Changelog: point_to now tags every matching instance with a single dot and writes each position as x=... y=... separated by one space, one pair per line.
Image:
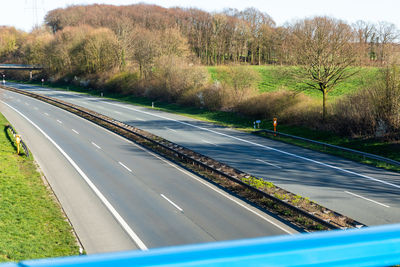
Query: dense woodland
x=218 y=38
x=147 y=50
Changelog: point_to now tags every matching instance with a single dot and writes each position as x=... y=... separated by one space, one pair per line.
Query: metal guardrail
x=372 y=246
x=174 y=149
x=364 y=154
x=14 y=133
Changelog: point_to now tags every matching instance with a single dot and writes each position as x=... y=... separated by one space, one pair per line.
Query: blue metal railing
x=372 y=246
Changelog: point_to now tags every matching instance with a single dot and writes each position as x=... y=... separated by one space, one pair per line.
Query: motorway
x=367 y=194
x=120 y=196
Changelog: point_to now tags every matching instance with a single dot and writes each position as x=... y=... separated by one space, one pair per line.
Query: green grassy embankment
x=32 y=224
x=274 y=78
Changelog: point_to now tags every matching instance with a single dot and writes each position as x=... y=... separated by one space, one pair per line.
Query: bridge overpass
x=30 y=68
x=20 y=67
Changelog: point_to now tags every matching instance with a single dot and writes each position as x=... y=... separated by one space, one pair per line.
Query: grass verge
x=31 y=222
x=233 y=120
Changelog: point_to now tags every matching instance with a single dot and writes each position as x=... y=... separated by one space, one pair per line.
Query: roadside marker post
x=18 y=141
x=275 y=122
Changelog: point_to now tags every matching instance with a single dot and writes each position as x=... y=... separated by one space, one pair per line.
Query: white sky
x=20 y=13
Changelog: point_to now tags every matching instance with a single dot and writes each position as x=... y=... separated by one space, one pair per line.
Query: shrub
x=374 y=111
x=124 y=83
x=286 y=105
x=239 y=84
x=173 y=77
x=212 y=97
x=354 y=115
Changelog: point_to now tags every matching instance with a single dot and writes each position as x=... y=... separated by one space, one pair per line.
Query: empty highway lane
x=107 y=184
x=365 y=193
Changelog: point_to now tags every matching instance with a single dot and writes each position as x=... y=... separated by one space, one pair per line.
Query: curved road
x=367 y=194
x=120 y=196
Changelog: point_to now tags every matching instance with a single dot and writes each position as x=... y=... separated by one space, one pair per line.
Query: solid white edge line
x=75 y=131
x=268 y=163
x=172 y=203
x=123 y=165
x=93 y=143
x=260 y=145
x=376 y=202
x=113 y=211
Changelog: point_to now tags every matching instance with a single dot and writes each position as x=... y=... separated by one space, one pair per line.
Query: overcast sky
x=24 y=14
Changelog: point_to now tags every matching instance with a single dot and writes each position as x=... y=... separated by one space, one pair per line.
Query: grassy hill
x=274 y=78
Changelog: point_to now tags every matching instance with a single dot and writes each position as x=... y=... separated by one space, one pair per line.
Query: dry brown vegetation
x=374 y=111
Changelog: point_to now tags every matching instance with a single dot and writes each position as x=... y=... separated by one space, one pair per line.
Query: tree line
x=232 y=36
x=216 y=38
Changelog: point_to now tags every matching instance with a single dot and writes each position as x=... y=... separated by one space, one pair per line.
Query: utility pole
x=34 y=7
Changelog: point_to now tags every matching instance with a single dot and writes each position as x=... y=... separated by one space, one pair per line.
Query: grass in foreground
x=31 y=222
x=230 y=119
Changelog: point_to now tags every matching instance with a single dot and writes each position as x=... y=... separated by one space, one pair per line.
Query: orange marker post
x=275 y=124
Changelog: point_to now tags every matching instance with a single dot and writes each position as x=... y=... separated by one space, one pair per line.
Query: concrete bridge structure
x=21 y=67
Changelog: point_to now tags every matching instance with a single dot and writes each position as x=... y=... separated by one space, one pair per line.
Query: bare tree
x=387 y=33
x=146 y=48
x=323 y=48
x=366 y=35
x=242 y=81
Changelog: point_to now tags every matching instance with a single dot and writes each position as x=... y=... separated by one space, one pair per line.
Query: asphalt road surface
x=119 y=196
x=367 y=194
